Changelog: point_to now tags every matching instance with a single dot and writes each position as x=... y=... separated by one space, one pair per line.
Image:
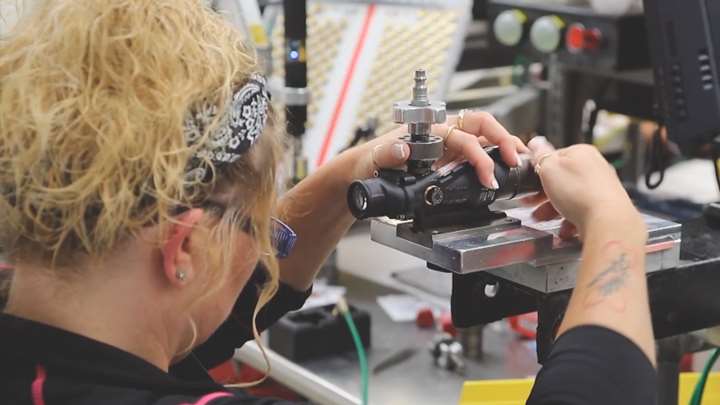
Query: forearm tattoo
x=610 y=285
x=613 y=277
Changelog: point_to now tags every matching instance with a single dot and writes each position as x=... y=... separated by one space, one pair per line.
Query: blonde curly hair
x=93 y=95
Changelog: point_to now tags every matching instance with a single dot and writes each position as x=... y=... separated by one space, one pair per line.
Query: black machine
x=685 y=44
x=576 y=35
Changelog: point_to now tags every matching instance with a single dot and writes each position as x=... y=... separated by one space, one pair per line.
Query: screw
x=491 y=290
x=434 y=196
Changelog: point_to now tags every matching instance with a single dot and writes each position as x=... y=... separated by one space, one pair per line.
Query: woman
x=138 y=187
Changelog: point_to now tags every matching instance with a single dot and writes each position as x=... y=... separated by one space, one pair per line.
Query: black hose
x=656 y=160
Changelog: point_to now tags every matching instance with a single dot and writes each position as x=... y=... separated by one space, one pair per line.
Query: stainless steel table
x=417 y=380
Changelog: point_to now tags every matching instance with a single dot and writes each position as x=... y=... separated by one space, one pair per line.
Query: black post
x=295 y=64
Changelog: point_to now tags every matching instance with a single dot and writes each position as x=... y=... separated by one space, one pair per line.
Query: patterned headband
x=239 y=128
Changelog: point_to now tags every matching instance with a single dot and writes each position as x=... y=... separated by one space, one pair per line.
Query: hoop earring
x=189 y=348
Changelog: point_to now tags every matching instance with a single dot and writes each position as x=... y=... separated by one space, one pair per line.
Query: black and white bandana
x=239 y=128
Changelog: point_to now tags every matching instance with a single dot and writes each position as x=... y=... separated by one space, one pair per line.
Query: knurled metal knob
x=420 y=110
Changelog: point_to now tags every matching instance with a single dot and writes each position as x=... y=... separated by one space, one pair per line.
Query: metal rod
x=310 y=385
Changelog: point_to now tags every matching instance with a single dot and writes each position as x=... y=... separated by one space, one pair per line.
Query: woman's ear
x=177 y=260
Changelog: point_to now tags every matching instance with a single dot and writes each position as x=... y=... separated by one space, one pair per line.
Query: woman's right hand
x=583 y=188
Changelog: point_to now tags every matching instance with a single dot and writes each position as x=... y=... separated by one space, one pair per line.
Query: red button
x=425 y=318
x=578 y=38
x=575 y=38
x=593 y=39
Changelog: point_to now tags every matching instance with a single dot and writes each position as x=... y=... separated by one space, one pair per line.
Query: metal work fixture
x=420 y=114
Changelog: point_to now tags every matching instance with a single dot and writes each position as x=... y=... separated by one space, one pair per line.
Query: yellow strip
x=516 y=392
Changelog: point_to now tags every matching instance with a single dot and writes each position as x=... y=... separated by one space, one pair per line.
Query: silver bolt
x=491 y=290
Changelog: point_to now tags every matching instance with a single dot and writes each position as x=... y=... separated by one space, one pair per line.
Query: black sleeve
x=234 y=397
x=592 y=365
x=237 y=329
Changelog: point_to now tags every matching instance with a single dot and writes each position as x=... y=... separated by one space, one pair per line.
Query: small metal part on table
x=447 y=353
x=394 y=359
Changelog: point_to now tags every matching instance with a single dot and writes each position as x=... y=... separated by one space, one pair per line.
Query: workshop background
x=639 y=81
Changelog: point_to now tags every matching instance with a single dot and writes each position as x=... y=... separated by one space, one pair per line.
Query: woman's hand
x=466 y=141
x=584 y=189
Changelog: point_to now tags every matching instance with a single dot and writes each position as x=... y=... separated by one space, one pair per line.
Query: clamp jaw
x=420 y=114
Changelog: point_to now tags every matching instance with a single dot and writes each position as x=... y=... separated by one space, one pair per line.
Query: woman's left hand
x=466 y=141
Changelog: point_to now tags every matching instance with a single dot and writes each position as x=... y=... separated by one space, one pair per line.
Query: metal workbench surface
x=417 y=380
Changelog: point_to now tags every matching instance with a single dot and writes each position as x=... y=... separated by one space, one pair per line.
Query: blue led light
x=294 y=55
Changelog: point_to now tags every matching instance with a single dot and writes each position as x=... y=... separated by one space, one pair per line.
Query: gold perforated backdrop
x=411 y=38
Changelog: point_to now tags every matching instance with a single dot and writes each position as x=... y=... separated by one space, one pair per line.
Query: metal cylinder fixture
x=420 y=114
x=472 y=341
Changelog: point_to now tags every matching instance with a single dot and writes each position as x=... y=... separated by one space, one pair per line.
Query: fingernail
x=519 y=159
x=398 y=151
x=495 y=184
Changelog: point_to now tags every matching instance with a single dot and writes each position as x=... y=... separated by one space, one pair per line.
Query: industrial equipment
x=685 y=41
x=504 y=263
x=448 y=197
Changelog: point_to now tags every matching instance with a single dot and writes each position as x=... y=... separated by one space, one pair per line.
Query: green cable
x=362 y=358
x=700 y=386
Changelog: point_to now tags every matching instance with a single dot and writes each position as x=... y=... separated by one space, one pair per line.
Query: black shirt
x=44 y=365
x=591 y=365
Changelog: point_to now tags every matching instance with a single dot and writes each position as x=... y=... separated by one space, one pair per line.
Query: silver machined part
x=432 y=149
x=420 y=114
x=420 y=91
x=491 y=290
x=419 y=129
x=406 y=113
x=520 y=249
x=420 y=109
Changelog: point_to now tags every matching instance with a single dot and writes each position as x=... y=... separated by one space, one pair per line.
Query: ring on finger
x=540 y=161
x=449 y=132
x=461 y=119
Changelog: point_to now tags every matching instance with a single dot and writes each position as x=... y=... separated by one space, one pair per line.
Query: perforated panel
x=414 y=39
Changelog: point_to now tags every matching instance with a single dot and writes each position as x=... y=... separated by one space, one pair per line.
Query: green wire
x=700 y=386
x=364 y=374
